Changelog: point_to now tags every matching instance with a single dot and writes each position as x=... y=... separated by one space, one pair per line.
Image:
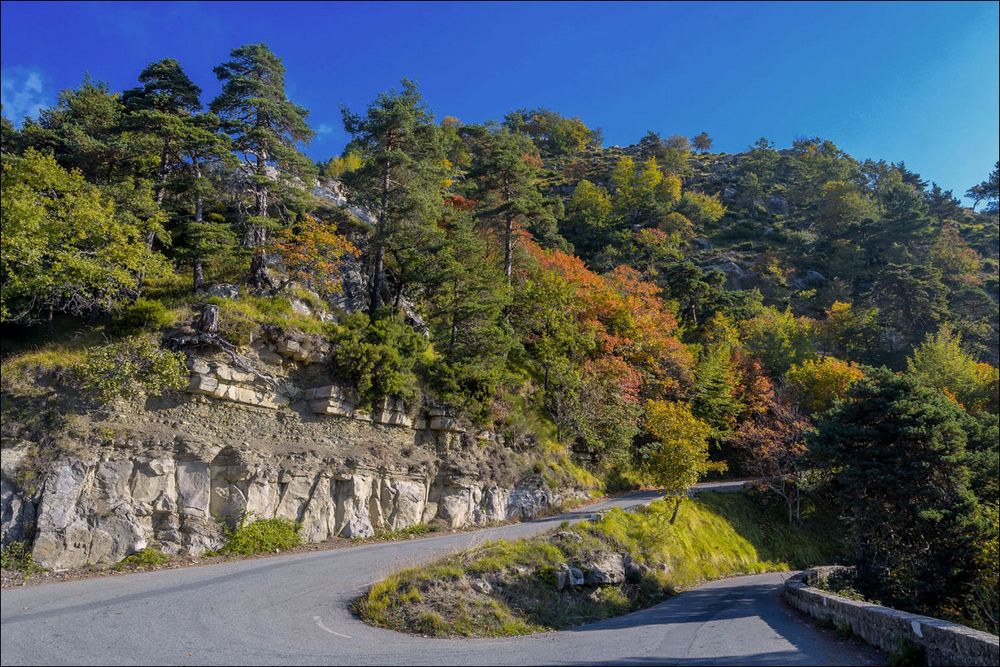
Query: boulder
x=608 y=569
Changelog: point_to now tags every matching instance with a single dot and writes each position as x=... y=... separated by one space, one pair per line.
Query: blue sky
x=913 y=82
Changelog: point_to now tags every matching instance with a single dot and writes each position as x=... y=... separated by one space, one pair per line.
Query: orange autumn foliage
x=633 y=328
x=311 y=251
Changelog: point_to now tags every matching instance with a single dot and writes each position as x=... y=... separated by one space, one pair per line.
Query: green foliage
x=713 y=396
x=678 y=456
x=242 y=320
x=259 y=536
x=401 y=178
x=702 y=209
x=941 y=363
x=17 y=557
x=149 y=557
x=66 y=245
x=379 y=356
x=816 y=384
x=141 y=315
x=506 y=171
x=344 y=164
x=898 y=451
x=465 y=312
x=121 y=368
x=407 y=533
x=779 y=339
x=554 y=134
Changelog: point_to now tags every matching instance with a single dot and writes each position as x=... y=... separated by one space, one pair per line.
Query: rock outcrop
x=95 y=511
x=272 y=438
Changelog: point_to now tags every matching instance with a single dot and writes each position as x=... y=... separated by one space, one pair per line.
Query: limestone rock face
x=98 y=512
x=17 y=519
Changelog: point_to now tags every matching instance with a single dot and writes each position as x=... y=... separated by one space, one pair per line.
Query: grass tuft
x=148 y=557
x=262 y=536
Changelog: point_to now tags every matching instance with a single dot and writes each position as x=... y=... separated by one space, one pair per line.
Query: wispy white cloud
x=324 y=129
x=23 y=93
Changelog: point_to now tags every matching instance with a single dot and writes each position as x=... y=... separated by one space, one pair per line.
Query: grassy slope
x=508 y=587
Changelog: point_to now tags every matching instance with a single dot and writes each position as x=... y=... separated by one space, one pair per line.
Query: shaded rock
x=481 y=586
x=222 y=290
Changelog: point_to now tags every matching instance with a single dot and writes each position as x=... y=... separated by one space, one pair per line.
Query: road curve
x=294 y=610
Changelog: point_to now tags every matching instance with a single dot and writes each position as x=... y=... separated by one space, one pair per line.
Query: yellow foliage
x=679 y=456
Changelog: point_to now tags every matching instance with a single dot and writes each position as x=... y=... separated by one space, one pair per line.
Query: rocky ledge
x=243 y=444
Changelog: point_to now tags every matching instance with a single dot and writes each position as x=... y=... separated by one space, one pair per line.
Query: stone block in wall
x=194 y=486
x=199 y=366
x=395 y=419
x=443 y=423
x=329 y=391
x=230 y=374
x=202 y=384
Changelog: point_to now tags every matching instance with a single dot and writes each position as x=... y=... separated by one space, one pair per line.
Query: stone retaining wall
x=944 y=643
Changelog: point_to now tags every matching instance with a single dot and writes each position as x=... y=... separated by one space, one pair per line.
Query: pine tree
x=506 y=169
x=265 y=127
x=401 y=178
x=162 y=108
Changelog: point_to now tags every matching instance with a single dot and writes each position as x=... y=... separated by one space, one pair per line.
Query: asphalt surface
x=294 y=610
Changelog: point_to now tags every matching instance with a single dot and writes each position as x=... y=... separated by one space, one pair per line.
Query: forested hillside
x=663 y=311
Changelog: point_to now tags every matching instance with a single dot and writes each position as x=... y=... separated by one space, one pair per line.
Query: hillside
x=462 y=324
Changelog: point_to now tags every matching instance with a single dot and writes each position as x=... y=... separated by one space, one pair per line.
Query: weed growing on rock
x=148 y=557
x=17 y=557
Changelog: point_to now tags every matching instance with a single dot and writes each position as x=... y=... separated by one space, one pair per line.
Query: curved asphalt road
x=293 y=610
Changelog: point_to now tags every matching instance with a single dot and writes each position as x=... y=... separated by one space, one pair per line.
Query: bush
x=117 y=369
x=141 y=315
x=262 y=536
x=379 y=356
x=17 y=556
x=148 y=557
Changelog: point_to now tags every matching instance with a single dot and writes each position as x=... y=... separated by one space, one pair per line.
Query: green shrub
x=141 y=315
x=17 y=556
x=379 y=357
x=262 y=536
x=148 y=557
x=117 y=369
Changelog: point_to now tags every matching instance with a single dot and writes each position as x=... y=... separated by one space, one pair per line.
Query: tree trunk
x=199 y=204
x=508 y=249
x=199 y=275
x=677 y=507
x=375 y=293
x=378 y=270
x=161 y=176
x=209 y=322
x=259 y=277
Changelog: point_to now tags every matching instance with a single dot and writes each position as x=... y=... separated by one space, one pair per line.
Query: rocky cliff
x=242 y=442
